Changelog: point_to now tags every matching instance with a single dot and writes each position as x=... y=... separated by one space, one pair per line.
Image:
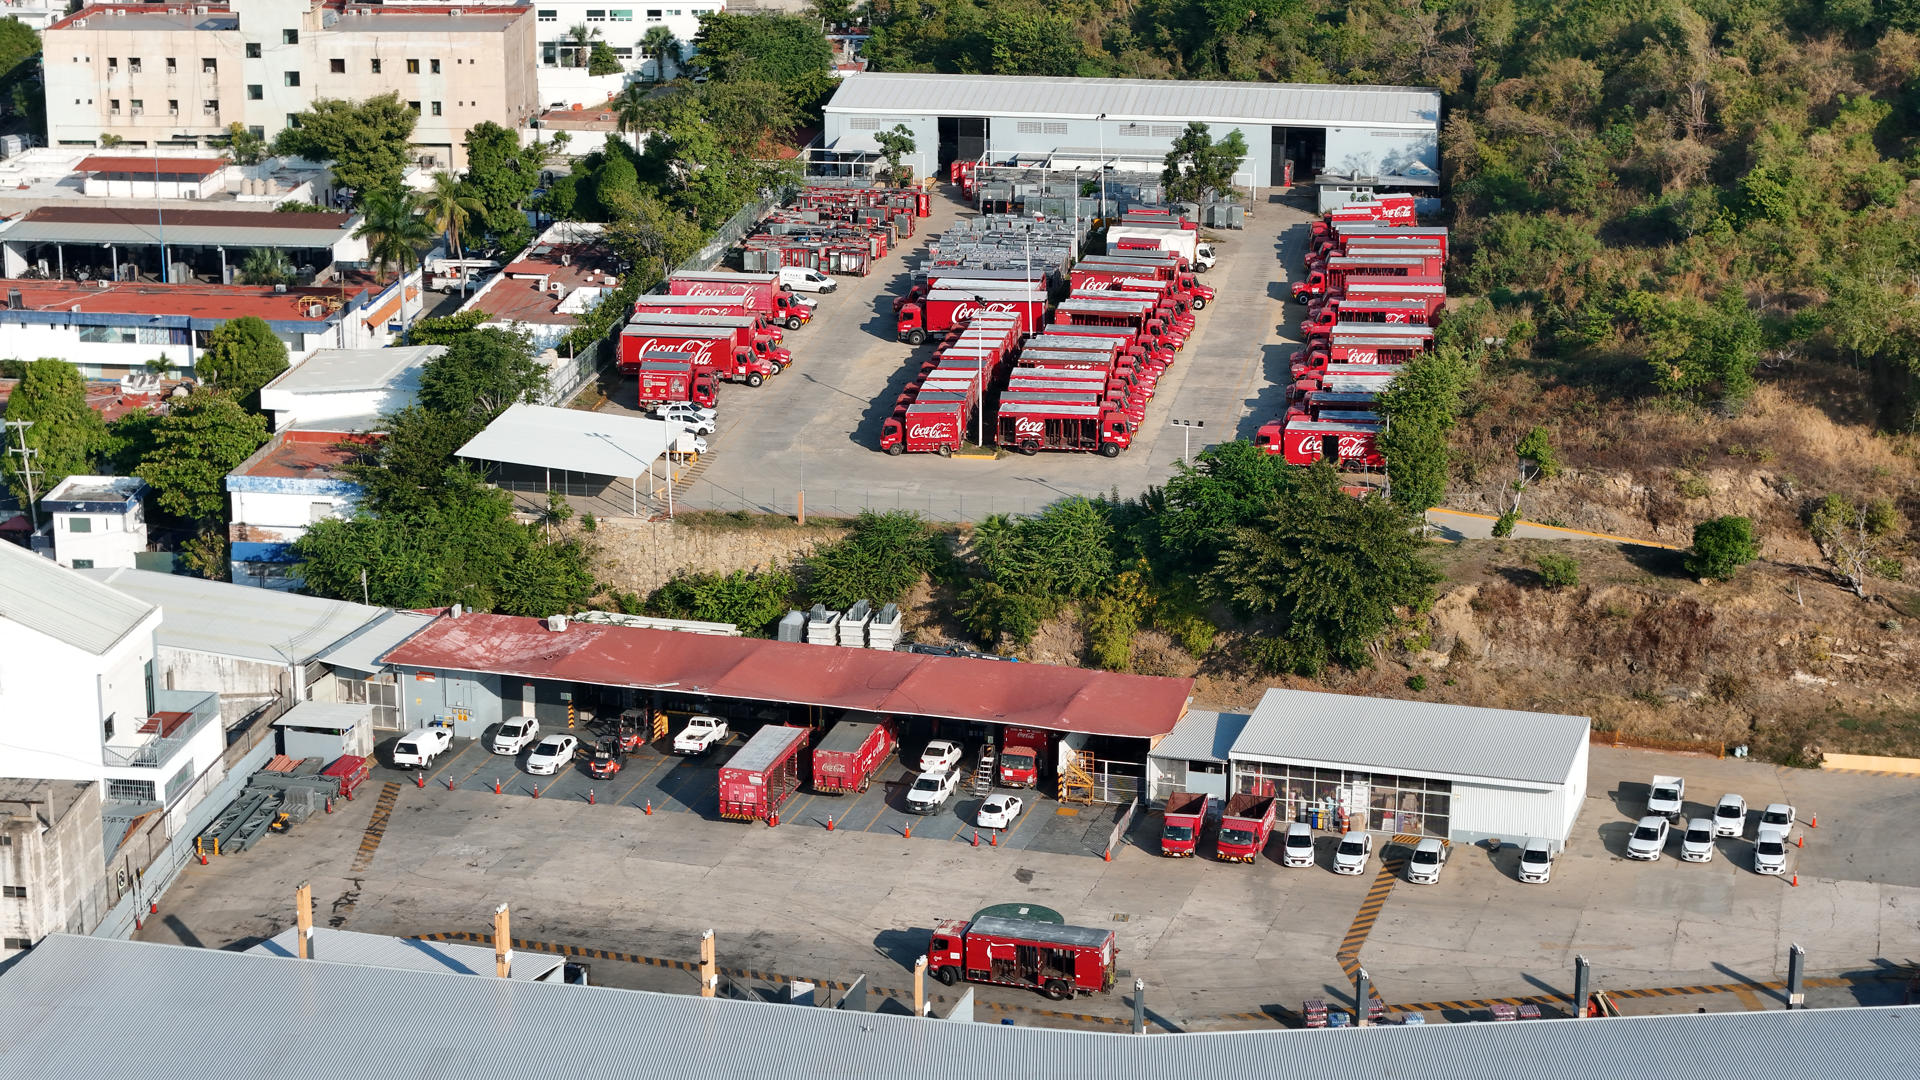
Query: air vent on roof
x=14 y=300
x=280 y=287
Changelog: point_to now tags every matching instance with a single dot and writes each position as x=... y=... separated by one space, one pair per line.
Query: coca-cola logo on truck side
x=930 y=431
x=714 y=290
x=700 y=348
x=1023 y=426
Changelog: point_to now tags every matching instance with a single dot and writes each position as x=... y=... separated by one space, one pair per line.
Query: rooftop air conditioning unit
x=557 y=623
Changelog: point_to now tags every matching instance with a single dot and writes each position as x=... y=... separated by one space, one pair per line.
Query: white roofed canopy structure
x=528 y=444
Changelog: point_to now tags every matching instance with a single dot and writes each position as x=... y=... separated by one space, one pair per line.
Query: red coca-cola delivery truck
x=1040 y=394
x=974 y=280
x=713 y=348
x=1364 y=378
x=1176 y=326
x=664 y=377
x=1345 y=231
x=1059 y=961
x=1430 y=290
x=1022 y=750
x=1348 y=311
x=1186 y=816
x=1148 y=353
x=949 y=309
x=925 y=427
x=849 y=754
x=1396 y=210
x=1047 y=374
x=1350 y=445
x=762 y=775
x=1097 y=279
x=1163 y=268
x=769 y=297
x=1116 y=314
x=1245 y=825
x=1377 y=245
x=1334 y=274
x=1065 y=362
x=747 y=332
x=731 y=304
x=1033 y=427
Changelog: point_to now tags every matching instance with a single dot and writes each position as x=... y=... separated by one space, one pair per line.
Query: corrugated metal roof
x=1414 y=737
x=599 y=444
x=241 y=228
x=235 y=620
x=1139 y=99
x=406 y=954
x=868 y=680
x=66 y=1004
x=330 y=371
x=64 y=604
x=329 y=715
x=362 y=649
x=765 y=747
x=1202 y=736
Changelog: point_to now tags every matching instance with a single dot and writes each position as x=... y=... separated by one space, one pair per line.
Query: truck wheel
x=915 y=337
x=947 y=975
x=1109 y=449
x=896 y=449
x=946 y=451
x=1029 y=449
x=1199 y=304
x=754 y=378
x=1059 y=989
x=793 y=322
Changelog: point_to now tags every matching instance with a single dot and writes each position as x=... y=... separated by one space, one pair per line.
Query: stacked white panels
x=884 y=631
x=822 y=626
x=853 y=625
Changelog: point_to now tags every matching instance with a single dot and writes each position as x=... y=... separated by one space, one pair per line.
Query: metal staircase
x=1076 y=778
x=983 y=771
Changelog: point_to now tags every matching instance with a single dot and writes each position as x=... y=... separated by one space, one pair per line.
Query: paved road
x=1219 y=945
x=816 y=427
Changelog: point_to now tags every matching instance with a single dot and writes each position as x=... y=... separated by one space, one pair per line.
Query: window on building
x=291 y=78
x=257 y=131
x=133 y=65
x=255 y=91
x=113 y=106
x=382 y=693
x=83 y=564
x=6 y=839
x=80 y=524
x=622 y=14
x=414 y=105
x=289 y=37
x=374 y=65
x=549 y=54
x=138 y=106
x=19 y=943
x=253 y=50
x=182 y=780
x=653 y=14
x=173 y=66
x=413 y=66
x=337 y=65
x=130 y=790
x=173 y=106
x=434 y=66
x=549 y=15
x=210 y=107
x=208 y=66
x=106 y=729
x=436 y=108
x=623 y=52
x=596 y=14
x=113 y=64
x=18 y=892
x=293 y=120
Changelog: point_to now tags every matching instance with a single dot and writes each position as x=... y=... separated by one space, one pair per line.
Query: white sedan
x=550 y=753
x=941 y=755
x=1649 y=838
x=999 y=811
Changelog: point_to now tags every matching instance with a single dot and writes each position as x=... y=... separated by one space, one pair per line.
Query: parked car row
x=1666 y=802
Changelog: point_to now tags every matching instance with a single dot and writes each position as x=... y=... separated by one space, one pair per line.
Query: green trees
x=886 y=555
x=482 y=372
x=19 y=73
x=203 y=437
x=66 y=435
x=895 y=143
x=1198 y=167
x=753 y=601
x=661 y=43
x=243 y=146
x=789 y=51
x=1721 y=546
x=1557 y=571
x=1853 y=535
x=242 y=355
x=367 y=141
x=1324 y=573
x=446 y=209
x=602 y=61
x=1422 y=405
x=266 y=266
x=393 y=230
x=502 y=174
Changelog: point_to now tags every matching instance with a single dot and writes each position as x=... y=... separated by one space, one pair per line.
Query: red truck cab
x=1058 y=960
x=1021 y=751
x=1245 y=825
x=1186 y=815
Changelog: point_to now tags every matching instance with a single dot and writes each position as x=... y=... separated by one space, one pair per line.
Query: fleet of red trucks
x=665 y=377
x=849 y=754
x=762 y=775
x=749 y=332
x=713 y=348
x=1245 y=825
x=1186 y=815
x=1058 y=960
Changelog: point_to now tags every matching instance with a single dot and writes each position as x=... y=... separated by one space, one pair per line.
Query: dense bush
x=752 y=600
x=1721 y=547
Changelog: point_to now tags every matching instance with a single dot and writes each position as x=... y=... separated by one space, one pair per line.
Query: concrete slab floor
x=1219 y=945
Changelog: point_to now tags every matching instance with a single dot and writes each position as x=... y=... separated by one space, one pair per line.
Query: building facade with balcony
x=179 y=76
x=97 y=520
x=78 y=700
x=564 y=81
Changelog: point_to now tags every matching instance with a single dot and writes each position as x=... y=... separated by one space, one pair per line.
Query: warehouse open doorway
x=962 y=138
x=1304 y=148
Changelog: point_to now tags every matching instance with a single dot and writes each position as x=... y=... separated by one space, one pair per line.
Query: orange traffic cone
x=829 y=822
x=993 y=839
x=1795 y=882
x=420 y=779
x=976 y=838
x=649 y=806
x=496 y=786
x=908 y=831
x=536 y=791
x=1107 y=855
x=1814 y=822
x=1800 y=841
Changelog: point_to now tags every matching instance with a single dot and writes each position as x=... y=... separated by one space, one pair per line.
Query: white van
x=802 y=279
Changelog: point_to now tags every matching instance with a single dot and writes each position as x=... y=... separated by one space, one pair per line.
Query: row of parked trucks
x=1374 y=293
x=1012 y=372
x=710 y=327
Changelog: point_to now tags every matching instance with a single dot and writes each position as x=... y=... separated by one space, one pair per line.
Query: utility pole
x=1188 y=426
x=27 y=454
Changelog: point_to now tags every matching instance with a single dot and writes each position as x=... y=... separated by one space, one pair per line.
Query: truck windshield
x=1236 y=836
x=1646 y=832
x=926 y=783
x=1179 y=832
x=1016 y=761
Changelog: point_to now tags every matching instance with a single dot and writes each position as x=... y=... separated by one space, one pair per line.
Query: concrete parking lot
x=1219 y=945
x=816 y=427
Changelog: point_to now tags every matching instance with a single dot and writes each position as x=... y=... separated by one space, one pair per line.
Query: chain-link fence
x=734 y=229
x=699 y=494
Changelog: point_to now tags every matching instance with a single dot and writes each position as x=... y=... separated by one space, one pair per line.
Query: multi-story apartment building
x=156 y=75
x=563 y=76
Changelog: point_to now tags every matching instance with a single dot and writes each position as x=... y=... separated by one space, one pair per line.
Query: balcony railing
x=179 y=716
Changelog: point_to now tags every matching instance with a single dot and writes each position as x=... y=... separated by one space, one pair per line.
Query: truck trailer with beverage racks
x=1058 y=960
x=762 y=775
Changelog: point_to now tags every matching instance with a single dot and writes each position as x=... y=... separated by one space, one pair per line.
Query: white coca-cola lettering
x=1363 y=356
x=929 y=431
x=965 y=312
x=1353 y=446
x=1026 y=426
x=1399 y=317
x=714 y=290
x=701 y=349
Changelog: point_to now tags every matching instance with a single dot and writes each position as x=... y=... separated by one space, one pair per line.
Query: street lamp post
x=1188 y=426
x=1101 y=125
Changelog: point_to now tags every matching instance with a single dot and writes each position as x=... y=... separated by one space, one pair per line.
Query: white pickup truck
x=701 y=734
x=417 y=748
x=1666 y=796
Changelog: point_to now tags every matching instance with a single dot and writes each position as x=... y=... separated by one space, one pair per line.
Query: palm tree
x=661 y=42
x=391 y=225
x=582 y=36
x=266 y=266
x=447 y=208
x=631 y=108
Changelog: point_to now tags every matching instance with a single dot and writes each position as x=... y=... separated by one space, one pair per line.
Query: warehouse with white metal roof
x=90 y=1007
x=1388 y=133
x=1457 y=772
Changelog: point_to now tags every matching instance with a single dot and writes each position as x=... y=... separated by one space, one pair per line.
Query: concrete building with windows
x=285 y=488
x=179 y=76
x=97 y=520
x=1457 y=772
x=51 y=854
x=78 y=695
x=1390 y=133
x=563 y=77
x=346 y=389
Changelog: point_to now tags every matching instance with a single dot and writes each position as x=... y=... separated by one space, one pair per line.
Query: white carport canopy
x=571 y=440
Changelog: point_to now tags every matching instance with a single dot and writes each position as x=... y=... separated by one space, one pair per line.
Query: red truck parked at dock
x=1059 y=961
x=1245 y=825
x=665 y=377
x=1186 y=815
x=769 y=297
x=762 y=775
x=949 y=309
x=849 y=754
